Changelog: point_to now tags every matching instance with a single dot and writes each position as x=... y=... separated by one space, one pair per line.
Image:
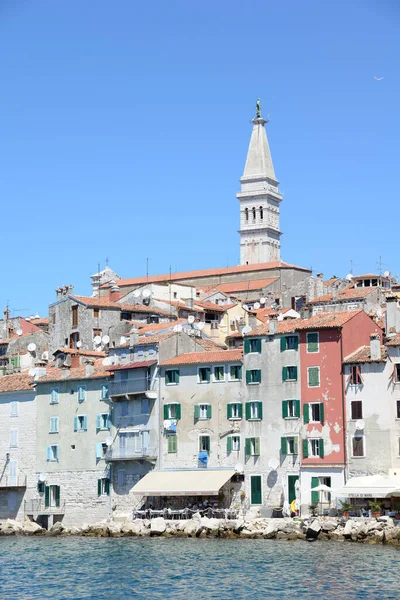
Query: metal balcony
x=130 y=386
x=149 y=454
x=37 y=507
x=8 y=482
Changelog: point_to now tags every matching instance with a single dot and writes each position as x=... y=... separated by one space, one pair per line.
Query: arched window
x=261 y=213
x=246 y=212
x=254 y=212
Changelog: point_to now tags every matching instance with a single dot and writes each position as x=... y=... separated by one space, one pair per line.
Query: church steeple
x=259 y=200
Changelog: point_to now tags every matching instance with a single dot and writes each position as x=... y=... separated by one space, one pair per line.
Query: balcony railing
x=37 y=506
x=131 y=454
x=131 y=386
x=19 y=481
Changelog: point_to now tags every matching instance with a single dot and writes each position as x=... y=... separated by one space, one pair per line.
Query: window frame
x=14 y=404
x=248 y=377
x=203 y=381
x=355 y=376
x=205 y=436
x=310 y=333
x=358 y=402
x=312 y=441
x=223 y=373
x=360 y=438
x=311 y=405
x=57 y=430
x=319 y=376
x=56 y=395
x=239 y=367
x=238 y=404
x=54 y=455
x=175 y=378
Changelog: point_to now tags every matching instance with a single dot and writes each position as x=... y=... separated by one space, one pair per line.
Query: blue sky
x=124 y=128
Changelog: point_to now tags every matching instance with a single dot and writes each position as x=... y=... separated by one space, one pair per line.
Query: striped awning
x=198 y=482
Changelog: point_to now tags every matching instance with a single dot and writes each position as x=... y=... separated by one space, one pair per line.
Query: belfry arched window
x=246 y=213
x=261 y=213
x=254 y=212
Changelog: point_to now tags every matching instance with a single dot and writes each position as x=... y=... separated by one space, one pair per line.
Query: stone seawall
x=367 y=531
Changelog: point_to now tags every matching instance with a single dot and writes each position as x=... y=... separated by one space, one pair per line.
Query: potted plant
x=242 y=495
x=345 y=508
x=375 y=509
x=313 y=510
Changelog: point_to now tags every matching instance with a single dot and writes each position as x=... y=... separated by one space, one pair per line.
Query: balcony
x=132 y=386
x=37 y=507
x=18 y=481
x=148 y=453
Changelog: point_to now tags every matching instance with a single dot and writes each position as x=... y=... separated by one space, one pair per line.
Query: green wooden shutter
x=284 y=373
x=246 y=346
x=295 y=373
x=312 y=342
x=283 y=446
x=321 y=448
x=297 y=408
x=258 y=376
x=208 y=374
x=306 y=413
x=240 y=372
x=260 y=410
x=248 y=410
x=247 y=447
x=107 y=486
x=258 y=345
x=165 y=411
x=168 y=377
x=229 y=444
x=197 y=411
x=46 y=496
x=248 y=377
x=296 y=445
x=99 y=487
x=177 y=376
x=283 y=344
x=75 y=423
x=240 y=411
x=209 y=411
x=229 y=411
x=172 y=443
x=305 y=448
x=296 y=343
x=314 y=495
x=321 y=412
x=285 y=411
x=178 y=411
x=57 y=498
x=257 y=446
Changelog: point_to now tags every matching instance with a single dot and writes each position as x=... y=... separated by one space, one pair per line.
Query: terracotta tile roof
x=245 y=286
x=235 y=334
x=15 y=383
x=207 y=273
x=143 y=328
x=393 y=341
x=134 y=365
x=205 y=358
x=178 y=304
x=349 y=293
x=324 y=320
x=363 y=355
x=208 y=344
x=77 y=351
x=149 y=339
x=104 y=302
x=74 y=373
x=211 y=306
x=40 y=321
x=329 y=282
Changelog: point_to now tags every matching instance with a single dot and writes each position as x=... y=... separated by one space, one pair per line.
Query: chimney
x=189 y=302
x=59 y=293
x=273 y=325
x=133 y=337
x=335 y=293
x=6 y=313
x=375 y=346
x=89 y=368
x=392 y=316
x=114 y=293
x=75 y=361
x=69 y=289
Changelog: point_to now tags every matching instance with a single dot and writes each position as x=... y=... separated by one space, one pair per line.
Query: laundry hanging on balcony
x=170 y=425
x=203 y=458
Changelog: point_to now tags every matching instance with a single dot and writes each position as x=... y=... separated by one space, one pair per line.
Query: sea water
x=181 y=568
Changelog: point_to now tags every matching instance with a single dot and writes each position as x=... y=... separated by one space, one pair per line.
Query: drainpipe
x=343 y=408
x=160 y=423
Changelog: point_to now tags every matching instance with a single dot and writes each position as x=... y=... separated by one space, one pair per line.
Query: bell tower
x=259 y=200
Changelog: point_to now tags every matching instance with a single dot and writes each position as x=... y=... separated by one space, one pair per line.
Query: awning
x=183 y=483
x=370 y=486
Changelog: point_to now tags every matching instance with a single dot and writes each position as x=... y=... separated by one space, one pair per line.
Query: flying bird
x=378 y=78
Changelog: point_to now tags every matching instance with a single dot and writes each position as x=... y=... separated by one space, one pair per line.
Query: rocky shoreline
x=367 y=531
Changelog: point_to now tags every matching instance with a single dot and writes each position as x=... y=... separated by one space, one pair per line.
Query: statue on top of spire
x=258 y=109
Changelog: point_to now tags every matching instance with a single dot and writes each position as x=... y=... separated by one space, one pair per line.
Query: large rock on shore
x=158 y=526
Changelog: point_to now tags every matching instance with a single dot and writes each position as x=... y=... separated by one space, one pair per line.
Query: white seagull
x=378 y=78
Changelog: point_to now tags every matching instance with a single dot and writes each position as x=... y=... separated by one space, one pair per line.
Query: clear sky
x=124 y=128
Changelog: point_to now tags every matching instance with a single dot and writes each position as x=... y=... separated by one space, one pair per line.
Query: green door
x=291 y=486
x=256 y=489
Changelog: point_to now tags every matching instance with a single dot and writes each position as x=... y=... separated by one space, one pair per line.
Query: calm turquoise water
x=194 y=569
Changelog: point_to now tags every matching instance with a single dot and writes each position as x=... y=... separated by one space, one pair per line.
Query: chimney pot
x=375 y=346
x=273 y=325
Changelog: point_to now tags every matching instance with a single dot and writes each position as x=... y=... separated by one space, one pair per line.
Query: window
x=14 y=408
x=103 y=487
x=80 y=423
x=233 y=443
x=219 y=374
x=358 y=446
x=52 y=452
x=254 y=213
x=54 y=396
x=252 y=345
x=144 y=406
x=121 y=477
x=252 y=446
x=313 y=376
x=104 y=391
x=96 y=313
x=355 y=375
x=289 y=342
x=103 y=421
x=15 y=361
x=246 y=214
x=356 y=409
x=172 y=411
x=313 y=447
x=75 y=316
x=289 y=373
x=52 y=496
x=202 y=411
x=398 y=409
x=81 y=393
x=97 y=332
x=204 y=374
x=291 y=409
x=313 y=412
x=396 y=373
x=14 y=438
x=253 y=410
x=124 y=409
x=172 y=444
x=289 y=445
x=74 y=339
x=53 y=424
x=204 y=443
x=235 y=372
x=101 y=450
x=261 y=213
x=313 y=342
x=172 y=377
x=234 y=410
x=253 y=376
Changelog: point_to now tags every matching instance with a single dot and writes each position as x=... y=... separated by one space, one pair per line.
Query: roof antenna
x=147 y=270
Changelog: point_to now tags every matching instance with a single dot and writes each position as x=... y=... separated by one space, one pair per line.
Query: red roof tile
x=74 y=373
x=134 y=365
x=205 y=358
x=15 y=383
x=393 y=341
x=245 y=286
x=77 y=351
x=349 y=293
x=363 y=355
x=324 y=320
x=104 y=302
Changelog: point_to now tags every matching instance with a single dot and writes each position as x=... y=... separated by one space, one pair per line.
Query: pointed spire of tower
x=259 y=161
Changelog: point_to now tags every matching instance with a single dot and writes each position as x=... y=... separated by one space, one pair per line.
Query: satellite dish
x=32 y=347
x=42 y=477
x=45 y=355
x=246 y=329
x=386 y=274
x=136 y=294
x=122 y=340
x=257 y=305
x=195 y=326
x=379 y=313
x=146 y=294
x=19 y=332
x=245 y=306
x=105 y=339
x=78 y=344
x=97 y=340
x=177 y=328
x=190 y=319
x=349 y=277
x=273 y=463
x=360 y=424
x=200 y=326
x=32 y=372
x=262 y=300
x=109 y=441
x=239 y=468
x=107 y=361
